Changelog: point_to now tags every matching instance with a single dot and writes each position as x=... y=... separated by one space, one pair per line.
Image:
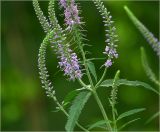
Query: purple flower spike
x=111 y=37
x=69 y=62
x=71 y=12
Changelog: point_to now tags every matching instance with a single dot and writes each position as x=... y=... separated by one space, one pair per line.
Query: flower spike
x=111 y=37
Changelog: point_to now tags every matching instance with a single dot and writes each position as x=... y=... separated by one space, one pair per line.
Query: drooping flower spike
x=69 y=64
x=111 y=37
x=68 y=60
x=151 y=39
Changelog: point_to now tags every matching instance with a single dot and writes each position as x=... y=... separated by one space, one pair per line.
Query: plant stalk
x=99 y=82
x=114 y=119
x=102 y=110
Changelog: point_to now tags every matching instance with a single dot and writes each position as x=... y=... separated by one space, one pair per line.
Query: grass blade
x=130 y=112
x=126 y=124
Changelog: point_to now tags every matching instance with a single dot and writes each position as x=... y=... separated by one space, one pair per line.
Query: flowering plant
x=76 y=67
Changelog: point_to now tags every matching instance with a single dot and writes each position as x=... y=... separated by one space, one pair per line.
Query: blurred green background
x=24 y=103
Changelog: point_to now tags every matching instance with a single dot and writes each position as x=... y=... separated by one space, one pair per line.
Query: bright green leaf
x=75 y=110
x=130 y=112
x=70 y=96
x=97 y=124
x=92 y=69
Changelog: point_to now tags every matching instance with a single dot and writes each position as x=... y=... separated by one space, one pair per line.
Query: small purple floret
x=108 y=63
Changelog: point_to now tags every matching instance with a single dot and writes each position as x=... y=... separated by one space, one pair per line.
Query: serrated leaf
x=109 y=82
x=75 y=110
x=92 y=69
x=127 y=123
x=153 y=117
x=97 y=124
x=130 y=112
x=147 y=69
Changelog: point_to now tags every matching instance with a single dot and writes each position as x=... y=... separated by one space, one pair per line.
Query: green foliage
x=147 y=69
x=95 y=59
x=70 y=96
x=100 y=124
x=130 y=112
x=144 y=31
x=42 y=19
x=127 y=123
x=109 y=82
x=157 y=114
x=92 y=69
x=75 y=110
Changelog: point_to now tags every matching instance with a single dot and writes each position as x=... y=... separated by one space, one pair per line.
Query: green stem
x=99 y=82
x=99 y=104
x=114 y=119
x=102 y=110
x=82 y=83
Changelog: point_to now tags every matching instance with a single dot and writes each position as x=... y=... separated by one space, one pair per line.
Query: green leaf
x=75 y=110
x=95 y=59
x=70 y=96
x=130 y=112
x=147 y=69
x=109 y=82
x=97 y=124
x=92 y=69
x=153 y=117
x=127 y=123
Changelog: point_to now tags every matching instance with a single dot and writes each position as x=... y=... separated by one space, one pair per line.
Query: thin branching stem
x=102 y=77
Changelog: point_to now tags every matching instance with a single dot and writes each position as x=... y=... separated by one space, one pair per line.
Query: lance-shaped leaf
x=109 y=82
x=130 y=112
x=92 y=69
x=75 y=110
x=127 y=123
x=100 y=124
